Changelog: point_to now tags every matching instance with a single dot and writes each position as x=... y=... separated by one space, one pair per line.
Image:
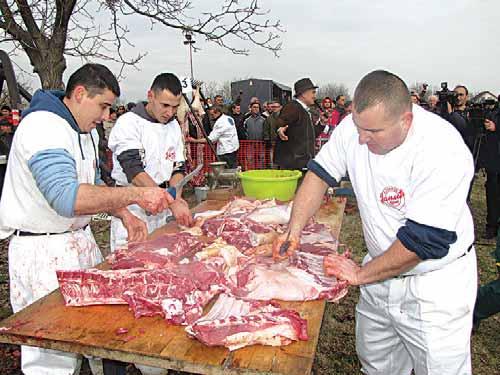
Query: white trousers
x=33 y=261
x=118 y=233
x=419 y=322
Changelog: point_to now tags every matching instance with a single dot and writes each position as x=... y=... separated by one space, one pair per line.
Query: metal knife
x=178 y=186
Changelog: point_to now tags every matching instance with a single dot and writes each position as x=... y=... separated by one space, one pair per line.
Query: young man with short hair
x=148 y=150
x=50 y=193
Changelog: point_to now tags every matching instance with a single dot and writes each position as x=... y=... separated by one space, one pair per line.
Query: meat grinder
x=220 y=177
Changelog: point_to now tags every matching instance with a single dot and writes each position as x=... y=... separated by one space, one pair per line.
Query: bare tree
x=332 y=90
x=210 y=89
x=225 y=90
x=48 y=31
x=23 y=81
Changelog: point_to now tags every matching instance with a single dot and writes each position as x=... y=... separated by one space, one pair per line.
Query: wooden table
x=91 y=330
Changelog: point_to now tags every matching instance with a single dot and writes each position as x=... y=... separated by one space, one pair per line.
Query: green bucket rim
x=294 y=176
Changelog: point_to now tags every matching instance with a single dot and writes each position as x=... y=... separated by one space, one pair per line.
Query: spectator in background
x=271 y=123
x=338 y=112
x=271 y=126
x=130 y=106
x=109 y=123
x=219 y=100
x=415 y=99
x=266 y=110
x=297 y=135
x=224 y=134
x=6 y=111
x=238 y=121
x=327 y=106
x=253 y=100
x=433 y=101
x=120 y=111
x=340 y=104
x=254 y=124
x=348 y=109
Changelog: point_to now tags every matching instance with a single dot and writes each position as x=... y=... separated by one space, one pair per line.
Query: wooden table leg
x=111 y=367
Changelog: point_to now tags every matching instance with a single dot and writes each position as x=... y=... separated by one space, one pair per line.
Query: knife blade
x=178 y=186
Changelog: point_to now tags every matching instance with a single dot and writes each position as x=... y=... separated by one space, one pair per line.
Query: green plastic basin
x=270 y=183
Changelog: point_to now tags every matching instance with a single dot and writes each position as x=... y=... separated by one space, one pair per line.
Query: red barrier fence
x=251 y=155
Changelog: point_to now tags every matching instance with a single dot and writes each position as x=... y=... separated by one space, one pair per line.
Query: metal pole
x=191 y=59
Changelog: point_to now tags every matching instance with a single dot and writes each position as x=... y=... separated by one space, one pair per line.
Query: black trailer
x=264 y=89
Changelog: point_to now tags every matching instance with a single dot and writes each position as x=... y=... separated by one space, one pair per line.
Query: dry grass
x=336 y=352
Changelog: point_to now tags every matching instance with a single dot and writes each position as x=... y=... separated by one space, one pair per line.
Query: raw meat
x=220 y=248
x=235 y=323
x=179 y=293
x=278 y=214
x=299 y=279
x=162 y=252
x=240 y=232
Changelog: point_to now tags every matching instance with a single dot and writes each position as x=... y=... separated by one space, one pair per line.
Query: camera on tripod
x=478 y=112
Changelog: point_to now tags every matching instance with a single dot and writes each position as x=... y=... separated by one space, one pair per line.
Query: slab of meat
x=277 y=215
x=162 y=252
x=96 y=287
x=178 y=293
x=239 y=232
x=235 y=323
x=300 y=279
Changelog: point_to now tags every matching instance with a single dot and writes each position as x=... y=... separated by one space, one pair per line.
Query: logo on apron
x=170 y=155
x=393 y=197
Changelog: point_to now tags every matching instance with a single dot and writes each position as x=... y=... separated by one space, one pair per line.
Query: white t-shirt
x=426 y=179
x=23 y=206
x=160 y=146
x=224 y=133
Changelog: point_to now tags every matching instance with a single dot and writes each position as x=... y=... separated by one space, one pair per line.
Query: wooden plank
x=92 y=330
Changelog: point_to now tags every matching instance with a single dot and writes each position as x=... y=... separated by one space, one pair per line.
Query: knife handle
x=171 y=190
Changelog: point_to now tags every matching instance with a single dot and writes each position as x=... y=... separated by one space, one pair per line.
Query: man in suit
x=296 y=133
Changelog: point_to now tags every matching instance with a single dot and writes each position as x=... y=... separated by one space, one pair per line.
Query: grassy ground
x=336 y=352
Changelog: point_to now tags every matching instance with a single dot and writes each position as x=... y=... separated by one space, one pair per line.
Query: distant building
x=264 y=89
x=483 y=96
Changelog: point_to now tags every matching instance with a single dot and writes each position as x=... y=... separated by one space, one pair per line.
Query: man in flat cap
x=296 y=133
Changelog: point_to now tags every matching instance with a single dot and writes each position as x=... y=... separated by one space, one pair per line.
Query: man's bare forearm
x=143 y=179
x=92 y=199
x=307 y=202
x=395 y=261
x=177 y=177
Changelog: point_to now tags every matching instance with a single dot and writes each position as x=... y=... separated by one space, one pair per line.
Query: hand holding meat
x=136 y=228
x=281 y=240
x=181 y=212
x=154 y=199
x=342 y=268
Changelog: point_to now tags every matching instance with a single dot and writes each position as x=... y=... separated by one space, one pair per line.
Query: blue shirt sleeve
x=55 y=174
x=426 y=241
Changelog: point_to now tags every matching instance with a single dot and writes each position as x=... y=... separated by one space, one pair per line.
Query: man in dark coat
x=297 y=134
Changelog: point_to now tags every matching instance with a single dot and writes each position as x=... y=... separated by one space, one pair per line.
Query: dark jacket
x=300 y=147
x=240 y=127
x=270 y=127
x=490 y=146
x=460 y=120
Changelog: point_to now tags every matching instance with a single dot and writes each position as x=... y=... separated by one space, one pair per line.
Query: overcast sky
x=340 y=41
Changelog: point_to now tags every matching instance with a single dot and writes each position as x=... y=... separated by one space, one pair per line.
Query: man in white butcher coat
x=50 y=192
x=410 y=171
x=148 y=150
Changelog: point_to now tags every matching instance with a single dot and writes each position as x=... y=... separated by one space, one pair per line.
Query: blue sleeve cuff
x=55 y=174
x=426 y=241
x=321 y=172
